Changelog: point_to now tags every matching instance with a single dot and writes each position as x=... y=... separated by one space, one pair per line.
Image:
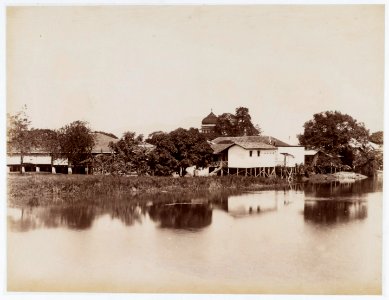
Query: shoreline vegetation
x=45 y=189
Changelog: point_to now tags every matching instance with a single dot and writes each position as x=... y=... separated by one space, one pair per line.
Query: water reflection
x=332 y=211
x=72 y=217
x=182 y=215
x=320 y=203
x=336 y=189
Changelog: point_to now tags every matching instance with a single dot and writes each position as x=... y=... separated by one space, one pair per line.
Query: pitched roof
x=101 y=143
x=269 y=140
x=217 y=148
x=210 y=119
x=255 y=145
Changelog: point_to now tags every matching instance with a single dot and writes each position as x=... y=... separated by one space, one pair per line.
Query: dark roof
x=269 y=140
x=220 y=144
x=210 y=119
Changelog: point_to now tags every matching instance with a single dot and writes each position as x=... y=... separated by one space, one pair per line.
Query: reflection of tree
x=26 y=222
x=182 y=215
x=330 y=211
x=127 y=214
x=342 y=189
x=76 y=217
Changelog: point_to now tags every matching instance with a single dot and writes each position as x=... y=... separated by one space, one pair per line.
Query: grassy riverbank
x=39 y=189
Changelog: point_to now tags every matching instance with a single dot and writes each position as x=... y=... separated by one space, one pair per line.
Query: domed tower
x=208 y=123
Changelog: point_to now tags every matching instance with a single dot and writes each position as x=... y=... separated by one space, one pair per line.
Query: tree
x=244 y=126
x=238 y=124
x=18 y=136
x=161 y=159
x=76 y=142
x=129 y=155
x=377 y=137
x=192 y=148
x=46 y=140
x=226 y=125
x=177 y=150
x=335 y=133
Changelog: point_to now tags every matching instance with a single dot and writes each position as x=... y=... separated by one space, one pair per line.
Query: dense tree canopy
x=129 y=155
x=332 y=132
x=76 y=141
x=238 y=124
x=177 y=150
x=46 y=140
x=338 y=135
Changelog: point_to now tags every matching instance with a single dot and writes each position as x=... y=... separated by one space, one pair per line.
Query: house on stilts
x=255 y=156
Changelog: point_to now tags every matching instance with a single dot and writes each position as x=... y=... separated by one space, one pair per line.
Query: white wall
x=239 y=157
x=297 y=152
x=13 y=159
x=37 y=159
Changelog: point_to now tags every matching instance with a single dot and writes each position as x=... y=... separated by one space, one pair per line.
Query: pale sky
x=148 y=68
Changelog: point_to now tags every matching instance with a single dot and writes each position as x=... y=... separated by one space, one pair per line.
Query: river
x=311 y=239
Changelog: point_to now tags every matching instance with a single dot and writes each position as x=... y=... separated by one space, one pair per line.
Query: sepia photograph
x=194 y=149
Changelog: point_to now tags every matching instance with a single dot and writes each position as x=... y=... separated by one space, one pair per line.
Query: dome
x=211 y=119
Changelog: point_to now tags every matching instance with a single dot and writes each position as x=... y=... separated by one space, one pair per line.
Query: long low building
x=38 y=160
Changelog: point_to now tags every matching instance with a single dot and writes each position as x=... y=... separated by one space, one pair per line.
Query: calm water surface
x=316 y=239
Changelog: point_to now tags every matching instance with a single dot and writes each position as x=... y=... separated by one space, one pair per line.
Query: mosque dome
x=211 y=119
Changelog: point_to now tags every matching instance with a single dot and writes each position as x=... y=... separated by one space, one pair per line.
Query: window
x=258 y=153
x=251 y=153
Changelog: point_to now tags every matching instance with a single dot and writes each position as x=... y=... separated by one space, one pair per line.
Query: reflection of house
x=208 y=124
x=256 y=151
x=39 y=160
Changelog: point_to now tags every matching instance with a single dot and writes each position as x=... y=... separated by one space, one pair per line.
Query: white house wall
x=13 y=159
x=239 y=157
x=37 y=159
x=298 y=156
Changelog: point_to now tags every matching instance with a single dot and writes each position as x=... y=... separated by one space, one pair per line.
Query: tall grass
x=44 y=189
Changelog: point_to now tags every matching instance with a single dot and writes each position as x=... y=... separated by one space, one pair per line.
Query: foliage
x=18 y=137
x=192 y=148
x=46 y=140
x=76 y=141
x=177 y=150
x=102 y=164
x=104 y=190
x=244 y=126
x=377 y=137
x=238 y=124
x=129 y=155
x=161 y=159
x=333 y=132
x=226 y=125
